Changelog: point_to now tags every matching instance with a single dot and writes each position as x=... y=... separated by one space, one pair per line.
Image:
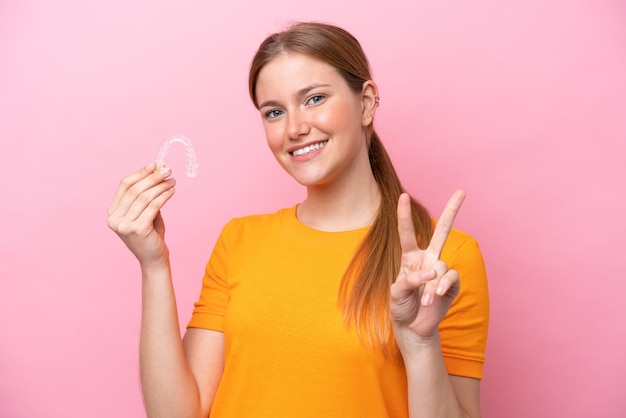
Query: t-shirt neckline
x=316 y=237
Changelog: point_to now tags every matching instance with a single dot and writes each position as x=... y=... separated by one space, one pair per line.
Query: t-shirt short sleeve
x=211 y=306
x=463 y=331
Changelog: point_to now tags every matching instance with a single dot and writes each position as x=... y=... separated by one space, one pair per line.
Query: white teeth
x=308 y=148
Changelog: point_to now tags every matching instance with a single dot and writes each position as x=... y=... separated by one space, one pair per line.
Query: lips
x=307 y=149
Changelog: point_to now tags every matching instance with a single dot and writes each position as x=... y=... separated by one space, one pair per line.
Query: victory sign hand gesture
x=425 y=287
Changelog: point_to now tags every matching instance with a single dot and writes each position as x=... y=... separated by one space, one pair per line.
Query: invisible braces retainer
x=190 y=154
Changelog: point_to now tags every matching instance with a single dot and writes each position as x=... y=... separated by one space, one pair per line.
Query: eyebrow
x=299 y=93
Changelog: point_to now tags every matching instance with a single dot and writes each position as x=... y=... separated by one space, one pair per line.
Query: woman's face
x=314 y=123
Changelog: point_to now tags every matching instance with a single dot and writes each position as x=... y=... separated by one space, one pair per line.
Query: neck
x=341 y=207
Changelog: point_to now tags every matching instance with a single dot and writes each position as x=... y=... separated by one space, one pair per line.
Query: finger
x=128 y=182
x=408 y=241
x=137 y=188
x=431 y=288
x=151 y=215
x=145 y=221
x=409 y=281
x=124 y=215
x=449 y=284
x=444 y=225
x=151 y=200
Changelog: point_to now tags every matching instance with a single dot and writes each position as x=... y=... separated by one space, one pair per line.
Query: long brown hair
x=364 y=291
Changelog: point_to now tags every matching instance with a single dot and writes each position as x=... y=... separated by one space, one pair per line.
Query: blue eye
x=274 y=113
x=315 y=99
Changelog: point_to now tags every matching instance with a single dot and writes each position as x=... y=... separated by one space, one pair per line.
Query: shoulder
x=257 y=224
x=459 y=241
x=462 y=253
x=245 y=233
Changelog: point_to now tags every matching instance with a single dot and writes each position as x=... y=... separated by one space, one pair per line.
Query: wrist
x=155 y=267
x=412 y=344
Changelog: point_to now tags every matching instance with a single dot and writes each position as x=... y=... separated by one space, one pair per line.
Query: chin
x=312 y=181
x=307 y=182
x=312 y=176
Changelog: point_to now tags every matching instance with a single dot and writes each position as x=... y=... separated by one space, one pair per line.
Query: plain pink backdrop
x=521 y=103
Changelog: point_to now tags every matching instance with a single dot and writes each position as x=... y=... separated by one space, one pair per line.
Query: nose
x=297 y=125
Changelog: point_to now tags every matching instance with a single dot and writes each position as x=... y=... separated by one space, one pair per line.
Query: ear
x=370 y=102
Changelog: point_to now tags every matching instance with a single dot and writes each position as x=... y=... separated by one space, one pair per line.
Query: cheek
x=273 y=138
x=340 y=117
x=334 y=116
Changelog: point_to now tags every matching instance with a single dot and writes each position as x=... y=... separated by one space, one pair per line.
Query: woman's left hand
x=425 y=287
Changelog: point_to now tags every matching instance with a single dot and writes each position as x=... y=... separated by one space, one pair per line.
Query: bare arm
x=434 y=393
x=176 y=379
x=420 y=298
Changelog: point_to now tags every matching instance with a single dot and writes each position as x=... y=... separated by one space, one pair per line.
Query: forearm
x=430 y=390
x=169 y=387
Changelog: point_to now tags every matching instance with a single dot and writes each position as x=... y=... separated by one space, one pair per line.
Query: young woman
x=353 y=303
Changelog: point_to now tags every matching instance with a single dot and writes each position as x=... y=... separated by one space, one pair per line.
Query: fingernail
x=426 y=299
x=164 y=170
x=441 y=290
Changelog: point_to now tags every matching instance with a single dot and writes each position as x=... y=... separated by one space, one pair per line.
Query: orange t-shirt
x=271 y=286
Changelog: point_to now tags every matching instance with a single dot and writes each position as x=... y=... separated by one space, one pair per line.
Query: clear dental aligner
x=190 y=154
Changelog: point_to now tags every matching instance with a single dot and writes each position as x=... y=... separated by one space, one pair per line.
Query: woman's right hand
x=135 y=213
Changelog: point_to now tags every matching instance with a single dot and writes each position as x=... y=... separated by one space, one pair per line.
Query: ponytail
x=364 y=290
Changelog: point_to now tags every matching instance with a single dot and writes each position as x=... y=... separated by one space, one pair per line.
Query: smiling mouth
x=308 y=149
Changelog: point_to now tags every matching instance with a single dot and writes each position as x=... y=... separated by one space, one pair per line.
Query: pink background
x=521 y=103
